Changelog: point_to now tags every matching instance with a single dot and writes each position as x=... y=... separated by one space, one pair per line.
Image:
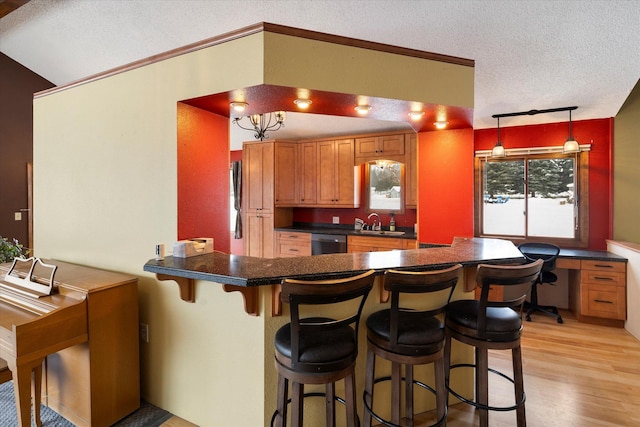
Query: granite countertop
x=590 y=255
x=346 y=230
x=251 y=271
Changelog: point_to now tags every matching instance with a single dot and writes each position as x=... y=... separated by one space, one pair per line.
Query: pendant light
x=498 y=149
x=571 y=145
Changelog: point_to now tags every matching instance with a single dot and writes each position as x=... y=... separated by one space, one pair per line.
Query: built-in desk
x=597 y=285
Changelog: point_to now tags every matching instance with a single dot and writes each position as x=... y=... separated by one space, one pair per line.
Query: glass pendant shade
x=571 y=146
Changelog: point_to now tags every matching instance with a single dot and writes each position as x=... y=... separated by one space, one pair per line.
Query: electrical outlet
x=18 y=216
x=144 y=332
x=336 y=220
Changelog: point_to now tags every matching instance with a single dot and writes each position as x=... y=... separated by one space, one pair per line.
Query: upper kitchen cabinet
x=338 y=180
x=258 y=176
x=382 y=147
x=307 y=179
x=286 y=154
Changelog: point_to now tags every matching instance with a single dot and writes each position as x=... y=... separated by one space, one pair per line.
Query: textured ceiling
x=528 y=54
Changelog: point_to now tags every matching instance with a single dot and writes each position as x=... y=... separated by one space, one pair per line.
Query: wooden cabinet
x=387 y=147
x=409 y=244
x=411 y=171
x=292 y=244
x=373 y=244
x=602 y=290
x=257 y=176
x=259 y=181
x=258 y=234
x=284 y=173
x=307 y=173
x=338 y=180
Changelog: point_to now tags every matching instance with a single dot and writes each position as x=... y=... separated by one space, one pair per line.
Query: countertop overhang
x=244 y=271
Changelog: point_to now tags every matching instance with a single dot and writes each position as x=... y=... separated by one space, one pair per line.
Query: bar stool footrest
x=480 y=405
x=389 y=423
x=314 y=394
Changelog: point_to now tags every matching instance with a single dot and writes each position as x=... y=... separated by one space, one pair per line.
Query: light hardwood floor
x=576 y=375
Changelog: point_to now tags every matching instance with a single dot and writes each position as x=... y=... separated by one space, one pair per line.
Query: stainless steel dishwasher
x=328 y=244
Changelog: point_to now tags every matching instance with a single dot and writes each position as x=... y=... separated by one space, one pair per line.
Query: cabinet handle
x=603 y=266
x=293 y=250
x=603 y=301
x=602 y=278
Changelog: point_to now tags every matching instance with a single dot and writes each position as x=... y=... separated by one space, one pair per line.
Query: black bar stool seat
x=314 y=349
x=495 y=325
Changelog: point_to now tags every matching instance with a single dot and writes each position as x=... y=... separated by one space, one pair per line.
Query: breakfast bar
x=244 y=274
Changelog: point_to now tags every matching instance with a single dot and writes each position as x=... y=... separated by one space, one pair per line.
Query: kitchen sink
x=383 y=232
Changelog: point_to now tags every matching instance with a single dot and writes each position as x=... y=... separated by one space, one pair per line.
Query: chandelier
x=263 y=123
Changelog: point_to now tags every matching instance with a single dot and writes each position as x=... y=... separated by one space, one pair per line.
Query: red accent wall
x=203 y=176
x=599 y=133
x=445 y=185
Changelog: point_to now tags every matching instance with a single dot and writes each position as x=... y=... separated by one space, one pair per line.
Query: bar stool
x=408 y=337
x=488 y=325
x=318 y=349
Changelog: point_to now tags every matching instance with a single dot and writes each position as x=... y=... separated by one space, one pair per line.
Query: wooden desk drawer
x=604 y=301
x=294 y=236
x=604 y=266
x=600 y=277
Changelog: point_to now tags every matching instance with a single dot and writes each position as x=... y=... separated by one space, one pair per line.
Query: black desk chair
x=548 y=253
x=315 y=349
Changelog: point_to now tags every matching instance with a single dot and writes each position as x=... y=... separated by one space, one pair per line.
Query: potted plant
x=10 y=250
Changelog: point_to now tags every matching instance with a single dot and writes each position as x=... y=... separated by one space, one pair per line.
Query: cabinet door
x=292 y=244
x=391 y=145
x=345 y=179
x=326 y=173
x=285 y=173
x=257 y=176
x=411 y=172
x=259 y=235
x=366 y=147
x=307 y=169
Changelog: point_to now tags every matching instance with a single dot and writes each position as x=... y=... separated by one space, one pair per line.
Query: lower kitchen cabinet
x=292 y=244
x=377 y=244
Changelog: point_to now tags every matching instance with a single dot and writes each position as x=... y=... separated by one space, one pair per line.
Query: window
x=384 y=184
x=533 y=197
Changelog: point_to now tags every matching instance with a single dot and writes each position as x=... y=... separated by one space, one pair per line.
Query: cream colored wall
x=626 y=173
x=301 y=63
x=105 y=186
x=632 y=253
x=105 y=193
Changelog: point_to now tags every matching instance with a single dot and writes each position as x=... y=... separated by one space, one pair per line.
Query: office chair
x=548 y=253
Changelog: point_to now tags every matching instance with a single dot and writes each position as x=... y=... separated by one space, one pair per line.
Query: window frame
x=367 y=189
x=581 y=194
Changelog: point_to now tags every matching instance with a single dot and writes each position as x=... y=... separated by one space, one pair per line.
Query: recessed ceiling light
x=441 y=124
x=416 y=115
x=362 y=109
x=302 y=103
x=239 y=106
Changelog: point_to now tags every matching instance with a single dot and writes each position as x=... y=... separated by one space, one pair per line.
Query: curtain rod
x=534 y=112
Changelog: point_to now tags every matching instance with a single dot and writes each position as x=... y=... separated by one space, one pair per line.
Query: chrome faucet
x=373 y=224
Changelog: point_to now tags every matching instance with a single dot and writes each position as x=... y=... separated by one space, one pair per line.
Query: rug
x=146 y=416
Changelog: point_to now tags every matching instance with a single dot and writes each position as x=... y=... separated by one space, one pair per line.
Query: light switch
x=18 y=216
x=336 y=220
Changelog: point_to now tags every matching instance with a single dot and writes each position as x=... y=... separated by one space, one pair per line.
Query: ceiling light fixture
x=362 y=109
x=441 y=124
x=498 y=149
x=239 y=106
x=416 y=115
x=302 y=103
x=570 y=145
x=263 y=123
